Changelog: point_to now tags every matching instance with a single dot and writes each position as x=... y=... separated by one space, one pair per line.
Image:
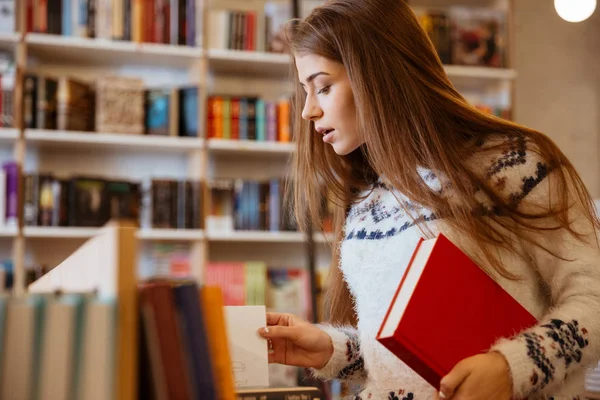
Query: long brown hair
x=410 y=115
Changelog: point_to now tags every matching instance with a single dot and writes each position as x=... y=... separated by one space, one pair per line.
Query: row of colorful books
x=176 y=22
x=249 y=118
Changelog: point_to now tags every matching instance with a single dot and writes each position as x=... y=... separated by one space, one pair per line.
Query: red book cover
x=446 y=309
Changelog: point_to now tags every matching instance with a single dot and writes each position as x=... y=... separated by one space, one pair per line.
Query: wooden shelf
x=48 y=232
x=246 y=63
x=8 y=41
x=249 y=146
x=112 y=141
x=256 y=236
x=110 y=52
x=8 y=135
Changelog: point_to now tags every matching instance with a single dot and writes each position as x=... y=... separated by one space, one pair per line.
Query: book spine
x=12 y=181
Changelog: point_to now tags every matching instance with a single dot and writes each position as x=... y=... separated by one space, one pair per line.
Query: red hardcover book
x=446 y=309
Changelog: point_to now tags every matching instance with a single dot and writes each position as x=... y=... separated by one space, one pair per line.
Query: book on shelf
x=249 y=30
x=244 y=204
x=473 y=36
x=108 y=104
x=443 y=289
x=7 y=90
x=8 y=16
x=248 y=118
x=173 y=22
x=90 y=201
x=121 y=338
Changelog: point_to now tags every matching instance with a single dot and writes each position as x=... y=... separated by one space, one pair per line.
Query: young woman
x=404 y=156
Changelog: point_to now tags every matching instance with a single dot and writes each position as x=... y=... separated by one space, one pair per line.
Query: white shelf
x=171 y=234
x=323 y=237
x=59 y=232
x=8 y=41
x=110 y=52
x=8 y=231
x=249 y=146
x=112 y=141
x=480 y=72
x=249 y=63
x=462 y=76
x=256 y=236
x=8 y=135
x=85 y=233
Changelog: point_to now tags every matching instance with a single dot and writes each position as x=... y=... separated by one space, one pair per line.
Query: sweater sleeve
x=346 y=362
x=567 y=338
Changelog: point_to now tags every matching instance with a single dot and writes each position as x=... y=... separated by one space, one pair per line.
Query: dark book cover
x=251 y=118
x=47 y=103
x=123 y=200
x=194 y=205
x=30 y=199
x=162 y=203
x=55 y=17
x=160 y=322
x=127 y=15
x=30 y=90
x=188 y=112
x=87 y=202
x=195 y=341
x=91 y=18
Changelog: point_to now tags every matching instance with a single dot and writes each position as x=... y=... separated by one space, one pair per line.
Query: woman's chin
x=342 y=150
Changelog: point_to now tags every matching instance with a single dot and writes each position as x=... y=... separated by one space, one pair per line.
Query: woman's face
x=329 y=102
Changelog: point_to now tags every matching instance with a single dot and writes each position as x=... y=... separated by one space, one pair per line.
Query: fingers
x=280 y=332
x=450 y=383
x=274 y=318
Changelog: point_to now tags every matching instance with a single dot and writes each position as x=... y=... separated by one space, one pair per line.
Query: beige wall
x=558 y=87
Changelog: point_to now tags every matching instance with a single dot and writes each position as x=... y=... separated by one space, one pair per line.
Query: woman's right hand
x=296 y=342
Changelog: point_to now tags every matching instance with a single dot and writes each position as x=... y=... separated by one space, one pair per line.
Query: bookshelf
x=214 y=71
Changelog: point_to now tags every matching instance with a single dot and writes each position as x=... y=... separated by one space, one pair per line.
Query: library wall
x=558 y=85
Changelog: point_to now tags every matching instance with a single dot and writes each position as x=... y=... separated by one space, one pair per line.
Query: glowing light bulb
x=575 y=10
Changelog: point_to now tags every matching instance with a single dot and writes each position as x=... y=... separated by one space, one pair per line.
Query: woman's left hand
x=481 y=377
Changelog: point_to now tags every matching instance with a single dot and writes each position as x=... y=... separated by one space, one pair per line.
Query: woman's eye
x=325 y=90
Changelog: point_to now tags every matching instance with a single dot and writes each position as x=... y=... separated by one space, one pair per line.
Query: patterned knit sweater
x=548 y=361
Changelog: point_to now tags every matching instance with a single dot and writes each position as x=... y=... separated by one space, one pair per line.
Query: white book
x=218 y=29
x=7 y=16
x=249 y=352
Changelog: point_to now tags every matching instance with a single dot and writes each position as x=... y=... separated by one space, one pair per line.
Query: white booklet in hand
x=249 y=352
